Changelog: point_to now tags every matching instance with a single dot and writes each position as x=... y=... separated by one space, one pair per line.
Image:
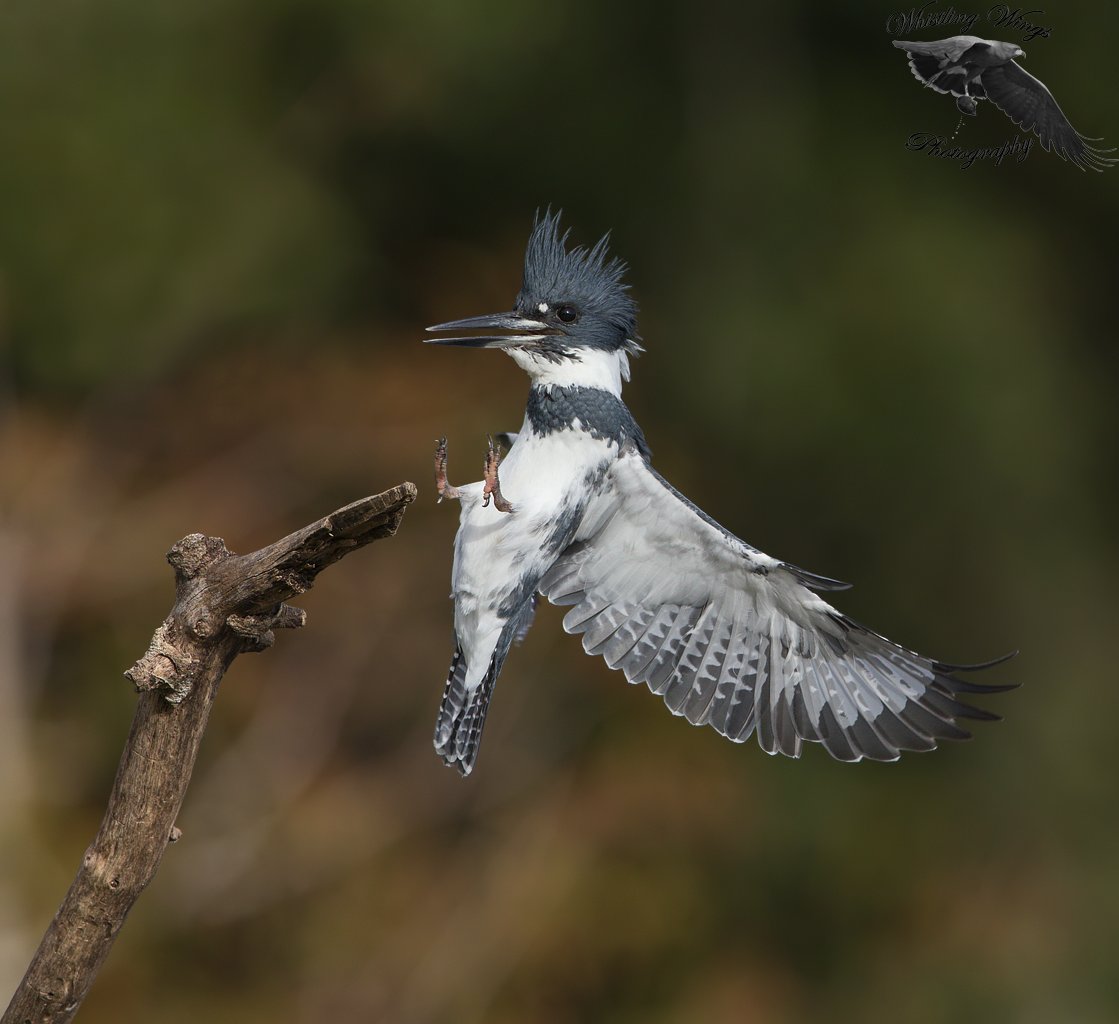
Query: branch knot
x=164 y=666
x=256 y=630
x=195 y=553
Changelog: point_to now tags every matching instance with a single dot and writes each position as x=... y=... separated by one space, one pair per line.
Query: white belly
x=500 y=556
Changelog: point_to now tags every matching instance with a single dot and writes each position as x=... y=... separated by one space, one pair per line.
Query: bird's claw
x=446 y=490
x=492 y=487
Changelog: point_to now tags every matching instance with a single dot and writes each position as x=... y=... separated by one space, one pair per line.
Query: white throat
x=587 y=368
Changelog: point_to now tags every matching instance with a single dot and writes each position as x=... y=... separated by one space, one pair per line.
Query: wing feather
x=698 y=704
x=743 y=715
x=737 y=640
x=605 y=624
x=626 y=637
x=730 y=679
x=689 y=666
x=662 y=668
x=636 y=665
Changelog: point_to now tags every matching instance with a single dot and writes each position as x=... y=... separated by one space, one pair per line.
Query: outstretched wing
x=942 y=65
x=946 y=51
x=735 y=639
x=1031 y=106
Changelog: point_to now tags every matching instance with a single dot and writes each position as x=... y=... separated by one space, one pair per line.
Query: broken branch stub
x=217 y=589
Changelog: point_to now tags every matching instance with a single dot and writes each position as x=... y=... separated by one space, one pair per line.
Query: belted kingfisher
x=729 y=636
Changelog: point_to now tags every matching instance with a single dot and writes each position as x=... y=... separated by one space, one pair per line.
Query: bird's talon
x=445 y=489
x=492 y=487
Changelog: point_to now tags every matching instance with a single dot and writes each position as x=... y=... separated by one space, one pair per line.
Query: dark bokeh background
x=224 y=226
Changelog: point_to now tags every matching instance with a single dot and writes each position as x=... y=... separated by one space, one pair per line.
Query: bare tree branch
x=225 y=604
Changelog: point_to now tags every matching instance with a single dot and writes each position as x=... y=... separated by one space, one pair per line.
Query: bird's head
x=572 y=318
x=1004 y=51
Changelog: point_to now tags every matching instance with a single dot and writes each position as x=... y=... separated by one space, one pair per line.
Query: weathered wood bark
x=225 y=604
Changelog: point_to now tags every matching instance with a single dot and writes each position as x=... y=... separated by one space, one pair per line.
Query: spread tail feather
x=462 y=713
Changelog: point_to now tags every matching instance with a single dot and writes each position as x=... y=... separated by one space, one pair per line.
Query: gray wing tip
x=949 y=667
x=814 y=581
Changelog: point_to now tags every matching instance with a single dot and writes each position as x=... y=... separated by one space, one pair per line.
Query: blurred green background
x=224 y=227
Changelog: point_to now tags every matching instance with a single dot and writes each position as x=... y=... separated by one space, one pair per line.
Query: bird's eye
x=568 y=314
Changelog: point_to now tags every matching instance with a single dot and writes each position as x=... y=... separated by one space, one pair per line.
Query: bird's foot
x=445 y=489
x=492 y=483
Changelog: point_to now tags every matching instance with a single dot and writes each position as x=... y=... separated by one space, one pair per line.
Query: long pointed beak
x=522 y=331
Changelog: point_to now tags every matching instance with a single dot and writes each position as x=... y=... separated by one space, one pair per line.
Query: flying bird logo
x=973 y=69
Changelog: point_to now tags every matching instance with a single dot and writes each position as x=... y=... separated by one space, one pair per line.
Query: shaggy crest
x=589 y=279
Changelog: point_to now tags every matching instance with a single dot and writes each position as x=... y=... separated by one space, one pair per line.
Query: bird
x=972 y=69
x=729 y=636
